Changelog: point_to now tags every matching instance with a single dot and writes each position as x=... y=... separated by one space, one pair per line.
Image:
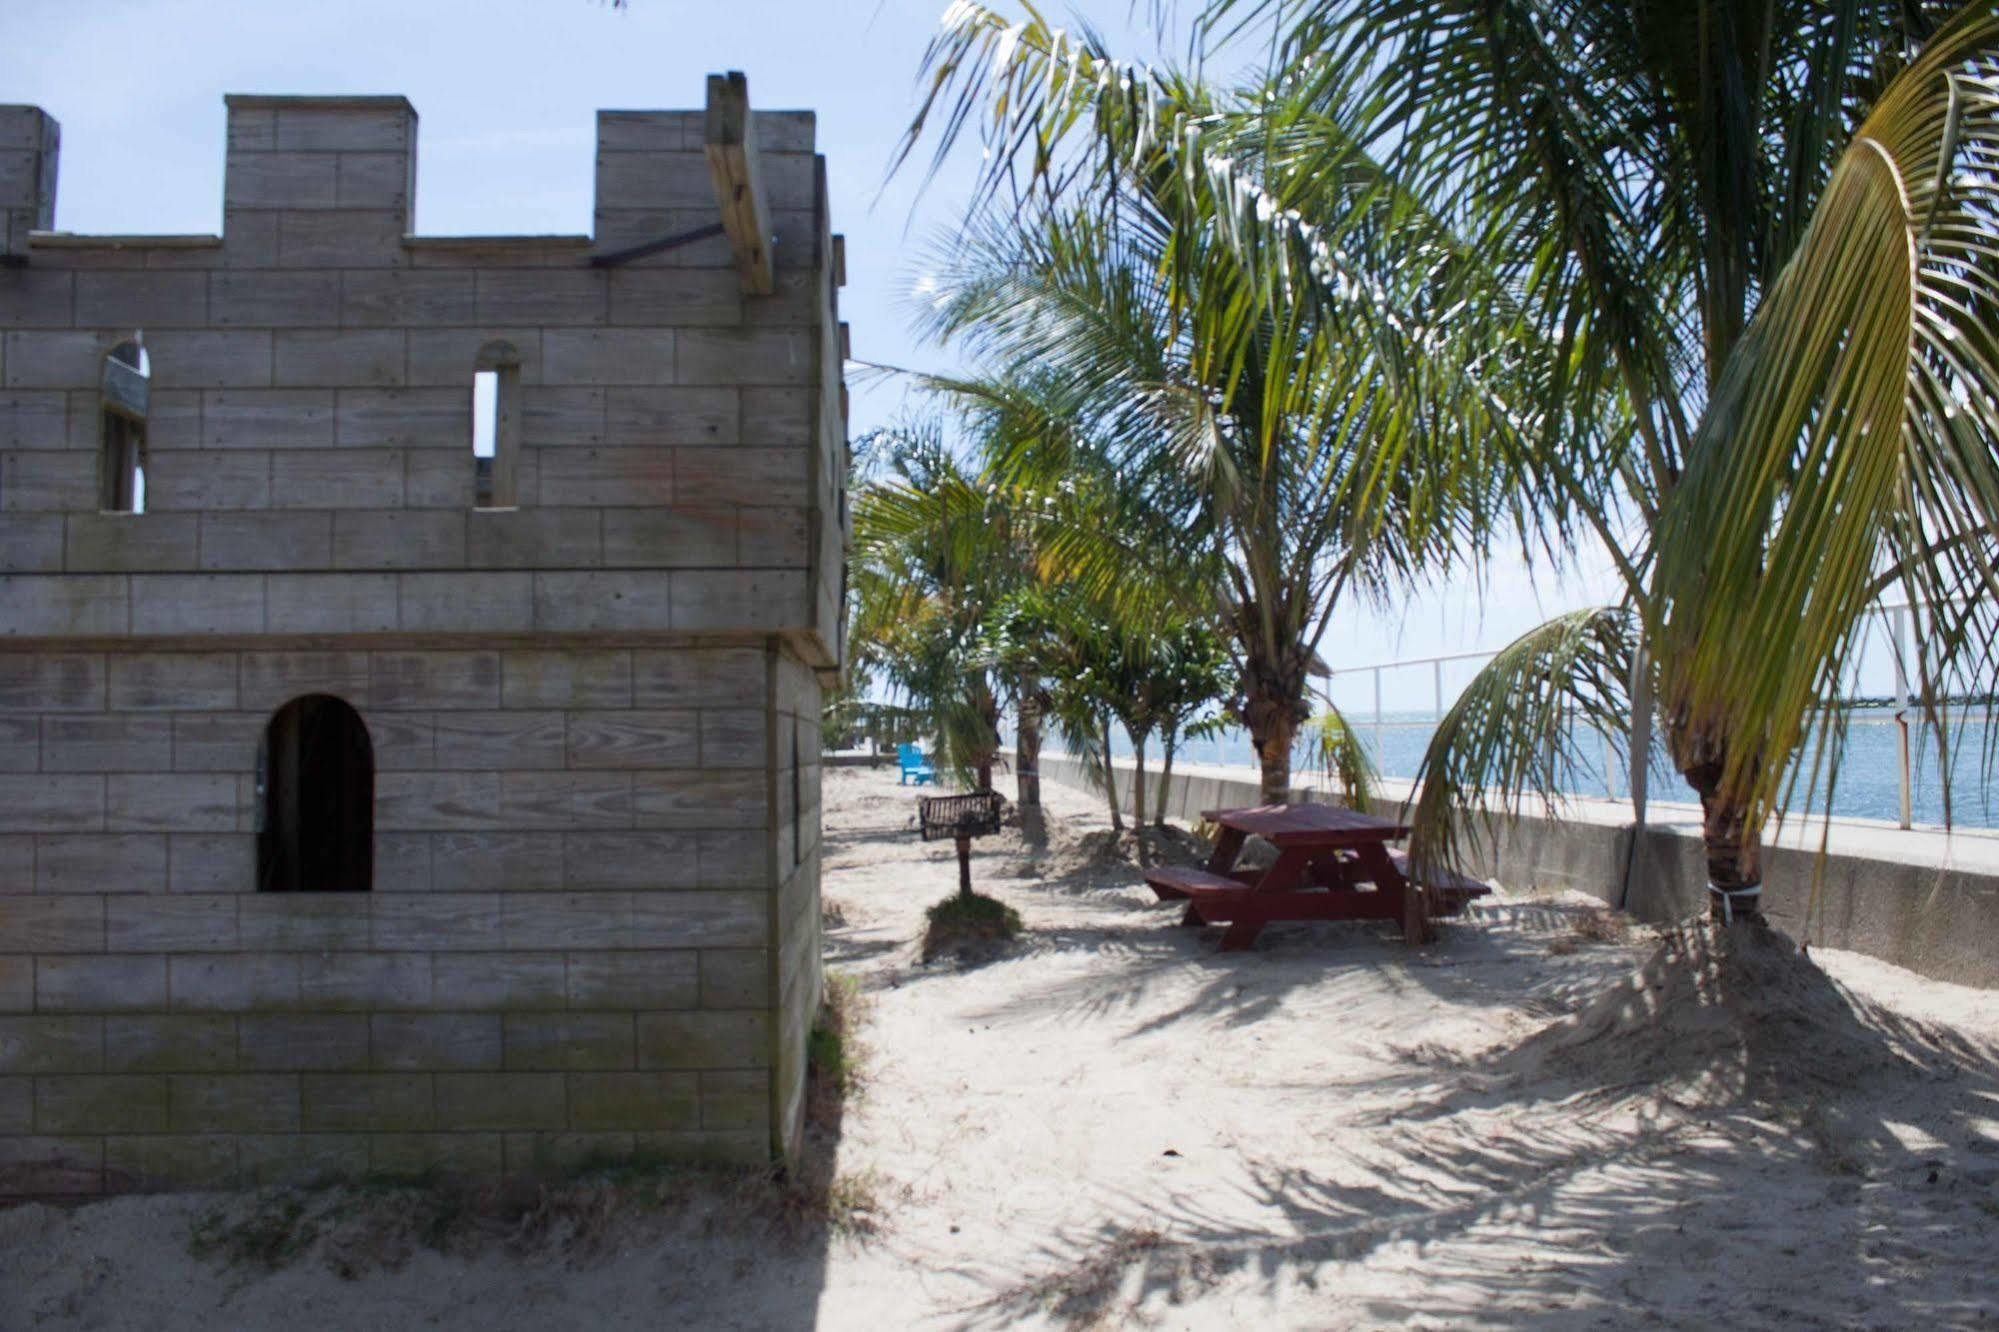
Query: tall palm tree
x=1766 y=232
x=1265 y=387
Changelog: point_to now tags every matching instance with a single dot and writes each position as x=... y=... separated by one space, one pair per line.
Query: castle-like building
x=410 y=660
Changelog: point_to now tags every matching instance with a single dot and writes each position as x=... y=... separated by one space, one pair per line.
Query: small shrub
x=1592 y=926
x=1601 y=925
x=831 y=1052
x=967 y=924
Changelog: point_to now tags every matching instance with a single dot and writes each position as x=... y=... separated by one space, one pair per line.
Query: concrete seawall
x=1924 y=899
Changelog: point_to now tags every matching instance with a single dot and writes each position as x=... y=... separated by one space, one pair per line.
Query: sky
x=506 y=92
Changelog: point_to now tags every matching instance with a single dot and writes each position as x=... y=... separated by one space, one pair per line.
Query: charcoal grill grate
x=956 y=816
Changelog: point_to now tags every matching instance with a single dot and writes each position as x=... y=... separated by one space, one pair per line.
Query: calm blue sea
x=1867 y=787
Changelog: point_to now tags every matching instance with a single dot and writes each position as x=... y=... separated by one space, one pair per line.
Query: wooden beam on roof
x=732 y=162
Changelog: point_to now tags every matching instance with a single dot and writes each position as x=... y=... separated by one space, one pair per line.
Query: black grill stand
x=960 y=818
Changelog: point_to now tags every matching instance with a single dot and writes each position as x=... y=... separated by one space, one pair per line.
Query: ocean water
x=1868 y=783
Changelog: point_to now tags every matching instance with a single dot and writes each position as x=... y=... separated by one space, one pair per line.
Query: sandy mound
x=1720 y=1015
x=1118 y=856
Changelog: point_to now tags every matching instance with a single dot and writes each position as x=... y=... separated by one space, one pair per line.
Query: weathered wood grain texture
x=732 y=159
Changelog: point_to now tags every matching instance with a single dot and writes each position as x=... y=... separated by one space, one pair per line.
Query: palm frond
x=1855 y=428
x=1342 y=758
x=1529 y=723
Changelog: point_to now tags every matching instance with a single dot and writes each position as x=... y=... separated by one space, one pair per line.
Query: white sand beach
x=1114 y=1125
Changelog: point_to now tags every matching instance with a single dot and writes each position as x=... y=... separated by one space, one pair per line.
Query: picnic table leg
x=1241 y=934
x=1227 y=847
x=1415 y=898
x=1279 y=881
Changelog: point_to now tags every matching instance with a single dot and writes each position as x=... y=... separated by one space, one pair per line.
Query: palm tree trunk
x=1273 y=707
x=1167 y=743
x=1734 y=853
x=1110 y=781
x=1273 y=756
x=1273 y=729
x=1138 y=781
x=1027 y=749
x=989 y=743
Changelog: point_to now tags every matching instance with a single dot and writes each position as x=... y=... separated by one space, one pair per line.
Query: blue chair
x=914 y=765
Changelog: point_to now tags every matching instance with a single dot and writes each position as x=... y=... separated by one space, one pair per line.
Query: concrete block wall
x=30 y=141
x=795 y=905
x=570 y=948
x=594 y=925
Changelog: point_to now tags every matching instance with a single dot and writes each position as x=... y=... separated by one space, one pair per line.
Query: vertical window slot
x=122 y=405
x=496 y=413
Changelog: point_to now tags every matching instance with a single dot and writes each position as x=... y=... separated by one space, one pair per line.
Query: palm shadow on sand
x=1726 y=1136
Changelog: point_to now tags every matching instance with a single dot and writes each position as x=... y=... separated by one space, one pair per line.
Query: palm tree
x=1753 y=245
x=964 y=607
x=933 y=557
x=1266 y=395
x=1764 y=236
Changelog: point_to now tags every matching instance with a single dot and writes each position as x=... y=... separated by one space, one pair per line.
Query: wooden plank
x=732 y=161
x=1307 y=824
x=1171 y=883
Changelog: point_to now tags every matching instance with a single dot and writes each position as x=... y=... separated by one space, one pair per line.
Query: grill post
x=960 y=818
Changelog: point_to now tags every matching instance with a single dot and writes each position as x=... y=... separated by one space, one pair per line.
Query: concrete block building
x=410 y=661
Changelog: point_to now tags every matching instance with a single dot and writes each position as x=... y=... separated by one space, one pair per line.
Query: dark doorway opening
x=317 y=803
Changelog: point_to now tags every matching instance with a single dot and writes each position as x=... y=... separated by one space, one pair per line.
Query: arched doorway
x=316 y=829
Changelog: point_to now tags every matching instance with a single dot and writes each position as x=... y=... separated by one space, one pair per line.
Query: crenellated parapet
x=30 y=142
x=679 y=445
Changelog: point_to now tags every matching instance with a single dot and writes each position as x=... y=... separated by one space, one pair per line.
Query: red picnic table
x=1332 y=864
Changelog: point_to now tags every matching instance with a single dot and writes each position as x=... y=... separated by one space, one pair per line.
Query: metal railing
x=1896 y=621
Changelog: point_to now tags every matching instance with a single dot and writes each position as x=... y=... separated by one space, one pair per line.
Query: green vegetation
x=971 y=597
x=1704 y=289
x=968 y=923
x=832 y=1052
x=591 y=1208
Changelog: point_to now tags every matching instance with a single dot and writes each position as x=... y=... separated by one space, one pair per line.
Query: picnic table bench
x=1332 y=864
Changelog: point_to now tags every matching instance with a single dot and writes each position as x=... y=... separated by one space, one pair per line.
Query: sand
x=1114 y=1125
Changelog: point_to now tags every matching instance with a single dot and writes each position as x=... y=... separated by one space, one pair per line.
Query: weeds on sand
x=1593 y=925
x=1829 y=1142
x=832 y=913
x=381 y=1222
x=833 y=1052
x=968 y=924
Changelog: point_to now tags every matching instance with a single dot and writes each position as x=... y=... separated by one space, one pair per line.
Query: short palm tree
x=934 y=557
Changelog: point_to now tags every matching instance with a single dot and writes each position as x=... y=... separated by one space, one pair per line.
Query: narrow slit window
x=496 y=427
x=316 y=799
x=122 y=399
x=485 y=413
